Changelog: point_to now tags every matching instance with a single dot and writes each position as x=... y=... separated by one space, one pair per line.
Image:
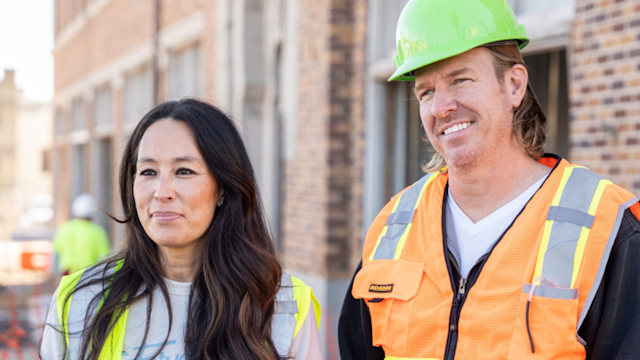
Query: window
x=59 y=123
x=58 y=185
x=102 y=176
x=46 y=160
x=405 y=142
x=138 y=94
x=77 y=169
x=548 y=77
x=185 y=72
x=78 y=118
x=101 y=167
x=103 y=114
x=5 y=169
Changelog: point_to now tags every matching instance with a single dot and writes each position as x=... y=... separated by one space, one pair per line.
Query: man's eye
x=425 y=94
x=459 y=81
x=184 y=171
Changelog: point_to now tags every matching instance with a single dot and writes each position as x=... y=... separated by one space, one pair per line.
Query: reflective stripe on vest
x=76 y=308
x=567 y=227
x=393 y=236
x=566 y=230
x=286 y=311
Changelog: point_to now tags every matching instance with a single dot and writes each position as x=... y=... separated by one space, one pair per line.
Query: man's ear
x=516 y=80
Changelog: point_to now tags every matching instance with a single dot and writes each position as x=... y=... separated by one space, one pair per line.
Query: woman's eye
x=184 y=171
x=147 y=172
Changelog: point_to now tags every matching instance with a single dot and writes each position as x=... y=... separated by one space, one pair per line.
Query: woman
x=198 y=277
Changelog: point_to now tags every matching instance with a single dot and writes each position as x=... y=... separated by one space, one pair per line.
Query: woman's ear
x=220 y=201
x=516 y=80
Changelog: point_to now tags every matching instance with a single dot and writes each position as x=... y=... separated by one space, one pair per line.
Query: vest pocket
x=388 y=287
x=546 y=325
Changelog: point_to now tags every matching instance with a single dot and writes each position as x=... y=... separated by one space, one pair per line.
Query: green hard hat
x=432 y=30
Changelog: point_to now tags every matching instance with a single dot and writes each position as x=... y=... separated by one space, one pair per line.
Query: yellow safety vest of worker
x=80 y=243
x=536 y=287
x=293 y=302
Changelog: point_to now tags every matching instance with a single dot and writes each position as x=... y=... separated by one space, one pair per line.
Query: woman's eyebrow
x=186 y=158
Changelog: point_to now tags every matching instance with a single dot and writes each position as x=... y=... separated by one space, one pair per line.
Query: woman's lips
x=165 y=216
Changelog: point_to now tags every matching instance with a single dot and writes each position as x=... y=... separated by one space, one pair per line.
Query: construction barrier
x=25 y=262
x=24 y=267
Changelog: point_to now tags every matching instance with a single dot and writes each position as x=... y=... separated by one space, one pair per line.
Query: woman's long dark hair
x=232 y=296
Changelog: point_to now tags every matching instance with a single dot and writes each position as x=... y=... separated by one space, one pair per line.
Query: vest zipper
x=456 y=307
x=464 y=284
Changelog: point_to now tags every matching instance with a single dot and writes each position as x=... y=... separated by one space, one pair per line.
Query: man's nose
x=443 y=103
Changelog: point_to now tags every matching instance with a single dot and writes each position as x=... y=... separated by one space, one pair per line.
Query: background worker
x=80 y=242
x=503 y=252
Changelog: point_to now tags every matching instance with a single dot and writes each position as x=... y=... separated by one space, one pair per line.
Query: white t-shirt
x=468 y=241
x=137 y=318
x=306 y=345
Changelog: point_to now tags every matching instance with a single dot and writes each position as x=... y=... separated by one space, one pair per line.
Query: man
x=503 y=252
x=79 y=242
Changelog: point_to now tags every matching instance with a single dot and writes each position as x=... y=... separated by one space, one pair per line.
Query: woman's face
x=174 y=191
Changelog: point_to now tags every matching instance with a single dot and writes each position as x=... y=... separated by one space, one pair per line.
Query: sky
x=26 y=45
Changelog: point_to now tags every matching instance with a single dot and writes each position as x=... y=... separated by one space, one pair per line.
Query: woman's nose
x=164 y=189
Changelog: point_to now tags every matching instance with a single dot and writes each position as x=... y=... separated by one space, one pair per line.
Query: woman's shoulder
x=291 y=287
x=296 y=318
x=295 y=296
x=91 y=280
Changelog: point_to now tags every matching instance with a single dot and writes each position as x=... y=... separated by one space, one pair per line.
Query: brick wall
x=119 y=27
x=605 y=89
x=209 y=54
x=304 y=205
x=104 y=39
x=66 y=11
x=323 y=189
x=346 y=134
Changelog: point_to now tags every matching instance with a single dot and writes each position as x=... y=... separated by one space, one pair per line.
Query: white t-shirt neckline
x=469 y=241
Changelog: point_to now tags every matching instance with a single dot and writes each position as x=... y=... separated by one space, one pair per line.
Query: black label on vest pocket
x=380 y=288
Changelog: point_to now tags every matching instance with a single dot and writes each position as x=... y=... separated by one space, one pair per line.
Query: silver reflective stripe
x=79 y=307
x=400 y=217
x=398 y=220
x=605 y=259
x=283 y=324
x=580 y=218
x=573 y=206
x=287 y=307
x=551 y=292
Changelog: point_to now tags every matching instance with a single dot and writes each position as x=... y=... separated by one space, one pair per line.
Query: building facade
x=25 y=164
x=330 y=139
x=9 y=97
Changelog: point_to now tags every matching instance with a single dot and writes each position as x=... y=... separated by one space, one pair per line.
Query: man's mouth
x=456 y=127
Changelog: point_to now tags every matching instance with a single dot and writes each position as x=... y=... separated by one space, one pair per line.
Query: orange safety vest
x=533 y=292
